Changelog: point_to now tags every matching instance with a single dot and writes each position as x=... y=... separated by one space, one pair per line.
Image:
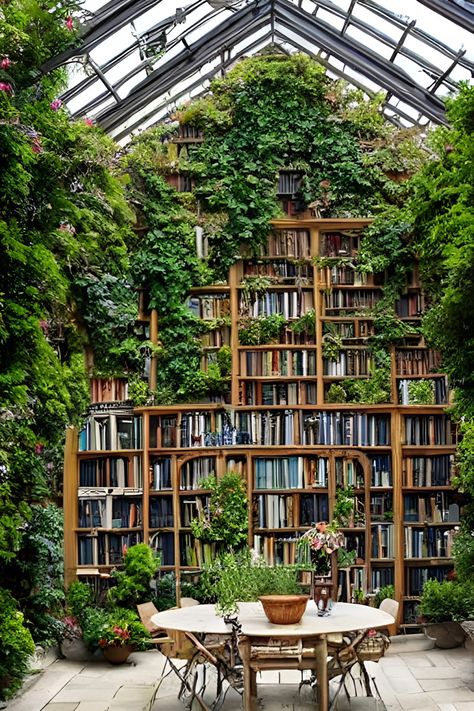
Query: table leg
x=321 y=659
x=250 y=686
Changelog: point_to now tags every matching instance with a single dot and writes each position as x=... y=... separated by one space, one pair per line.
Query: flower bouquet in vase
x=323 y=540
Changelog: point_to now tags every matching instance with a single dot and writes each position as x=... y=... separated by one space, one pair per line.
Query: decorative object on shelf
x=284 y=609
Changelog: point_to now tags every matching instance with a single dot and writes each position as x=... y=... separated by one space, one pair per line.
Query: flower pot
x=284 y=609
x=446 y=635
x=117 y=655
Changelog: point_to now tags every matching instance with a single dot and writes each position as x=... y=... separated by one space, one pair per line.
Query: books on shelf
x=191 y=507
x=281 y=270
x=216 y=337
x=381 y=577
x=416 y=577
x=340 y=243
x=417 y=361
x=345 y=428
x=278 y=362
x=274 y=511
x=411 y=304
x=160 y=473
x=276 y=549
x=292 y=304
x=350 y=299
x=290 y=472
x=163 y=544
x=110 y=511
x=195 y=553
x=111 y=432
x=111 y=471
x=288 y=243
x=209 y=306
x=345 y=274
x=349 y=363
x=381 y=468
x=383 y=545
x=313 y=508
x=428 y=471
x=105 y=548
x=437 y=508
x=381 y=507
x=428 y=542
x=161 y=512
x=193 y=471
x=349 y=473
x=427 y=430
x=261 y=393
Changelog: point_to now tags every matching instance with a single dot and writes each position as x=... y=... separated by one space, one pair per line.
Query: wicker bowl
x=284 y=609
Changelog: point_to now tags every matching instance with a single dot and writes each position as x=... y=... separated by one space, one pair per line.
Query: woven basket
x=371 y=649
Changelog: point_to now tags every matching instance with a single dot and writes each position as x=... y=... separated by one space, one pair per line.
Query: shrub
x=133 y=582
x=448 y=600
x=16 y=645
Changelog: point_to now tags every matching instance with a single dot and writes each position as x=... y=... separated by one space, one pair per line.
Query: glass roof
x=139 y=59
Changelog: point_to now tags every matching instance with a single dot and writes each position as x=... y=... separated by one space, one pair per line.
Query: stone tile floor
x=425 y=680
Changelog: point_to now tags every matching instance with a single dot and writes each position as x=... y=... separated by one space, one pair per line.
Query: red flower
x=88 y=121
x=69 y=23
x=56 y=104
x=5 y=63
x=5 y=86
x=39 y=448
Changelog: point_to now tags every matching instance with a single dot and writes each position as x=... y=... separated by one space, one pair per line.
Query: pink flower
x=39 y=448
x=5 y=63
x=36 y=146
x=44 y=325
x=69 y=23
x=5 y=86
x=88 y=121
x=56 y=104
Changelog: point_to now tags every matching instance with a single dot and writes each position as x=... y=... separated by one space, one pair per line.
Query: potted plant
x=240 y=577
x=443 y=606
x=117 y=633
x=78 y=600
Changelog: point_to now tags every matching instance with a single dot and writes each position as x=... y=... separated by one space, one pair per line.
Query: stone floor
x=423 y=680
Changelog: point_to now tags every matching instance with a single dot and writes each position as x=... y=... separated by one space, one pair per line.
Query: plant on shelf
x=346 y=509
x=358 y=595
x=336 y=394
x=253 y=287
x=305 y=324
x=225 y=520
x=332 y=342
x=262 y=330
x=421 y=392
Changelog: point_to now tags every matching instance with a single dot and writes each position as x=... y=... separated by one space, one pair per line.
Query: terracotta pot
x=284 y=609
x=117 y=655
x=446 y=635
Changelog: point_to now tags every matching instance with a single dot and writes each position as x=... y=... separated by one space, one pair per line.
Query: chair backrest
x=390 y=606
x=146 y=610
x=188 y=602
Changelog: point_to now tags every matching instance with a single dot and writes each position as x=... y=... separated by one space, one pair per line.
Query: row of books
x=428 y=471
x=383 y=540
x=160 y=474
x=411 y=304
x=352 y=299
x=415 y=578
x=105 y=548
x=108 y=390
x=108 y=432
x=349 y=363
x=348 y=580
x=428 y=430
x=275 y=511
x=349 y=329
x=282 y=270
x=110 y=512
x=291 y=472
x=437 y=386
x=292 y=304
x=344 y=274
x=428 y=542
x=381 y=577
x=339 y=244
x=349 y=473
x=289 y=182
x=439 y=508
x=381 y=468
x=276 y=550
x=261 y=393
x=417 y=361
x=111 y=472
x=278 y=362
x=345 y=428
x=287 y=243
x=355 y=542
x=161 y=512
x=194 y=471
x=313 y=508
x=209 y=306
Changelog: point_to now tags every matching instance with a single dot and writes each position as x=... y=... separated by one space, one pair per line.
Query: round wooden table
x=345 y=617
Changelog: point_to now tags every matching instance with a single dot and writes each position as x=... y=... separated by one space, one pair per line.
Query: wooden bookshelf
x=294 y=449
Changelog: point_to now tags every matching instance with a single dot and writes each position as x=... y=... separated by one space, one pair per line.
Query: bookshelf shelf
x=293 y=449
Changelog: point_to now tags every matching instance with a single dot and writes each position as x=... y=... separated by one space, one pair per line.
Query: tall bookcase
x=135 y=475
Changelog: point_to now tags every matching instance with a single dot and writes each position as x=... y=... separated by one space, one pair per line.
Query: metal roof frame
x=286 y=19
